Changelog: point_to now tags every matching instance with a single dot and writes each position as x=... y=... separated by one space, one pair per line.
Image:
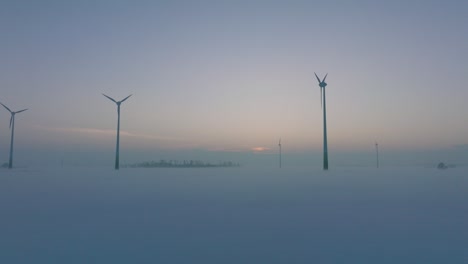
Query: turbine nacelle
x=117 y=102
x=12 y=113
x=322 y=83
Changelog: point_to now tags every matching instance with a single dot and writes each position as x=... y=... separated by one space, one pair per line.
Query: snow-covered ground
x=234 y=215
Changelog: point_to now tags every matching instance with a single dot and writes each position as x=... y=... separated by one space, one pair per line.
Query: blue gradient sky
x=230 y=76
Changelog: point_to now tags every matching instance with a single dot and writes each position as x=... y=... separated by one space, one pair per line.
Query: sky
x=226 y=79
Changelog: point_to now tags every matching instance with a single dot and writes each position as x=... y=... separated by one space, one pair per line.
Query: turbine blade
x=11 y=120
x=110 y=98
x=325 y=77
x=125 y=98
x=318 y=79
x=21 y=111
x=6 y=107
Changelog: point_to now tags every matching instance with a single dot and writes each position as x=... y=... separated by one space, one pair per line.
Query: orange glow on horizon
x=259 y=149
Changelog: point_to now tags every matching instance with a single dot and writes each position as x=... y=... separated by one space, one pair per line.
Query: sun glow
x=259 y=149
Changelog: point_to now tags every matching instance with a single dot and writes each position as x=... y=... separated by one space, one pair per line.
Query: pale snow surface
x=234 y=215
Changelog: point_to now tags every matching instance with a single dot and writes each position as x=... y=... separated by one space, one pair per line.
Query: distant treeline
x=183 y=164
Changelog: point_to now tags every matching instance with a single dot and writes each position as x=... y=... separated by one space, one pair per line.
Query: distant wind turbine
x=323 y=102
x=279 y=144
x=377 y=153
x=118 y=128
x=12 y=127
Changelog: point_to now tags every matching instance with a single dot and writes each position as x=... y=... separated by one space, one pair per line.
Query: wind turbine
x=377 y=153
x=118 y=128
x=279 y=144
x=323 y=102
x=12 y=127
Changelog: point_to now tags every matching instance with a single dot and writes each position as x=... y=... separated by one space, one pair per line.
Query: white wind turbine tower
x=118 y=128
x=12 y=127
x=322 y=85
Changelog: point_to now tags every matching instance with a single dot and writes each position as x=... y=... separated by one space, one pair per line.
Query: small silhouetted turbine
x=118 y=128
x=322 y=85
x=279 y=145
x=377 y=153
x=12 y=127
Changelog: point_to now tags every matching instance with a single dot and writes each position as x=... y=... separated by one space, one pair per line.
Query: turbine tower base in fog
x=377 y=154
x=10 y=161
x=118 y=139
x=325 y=141
x=118 y=129
x=322 y=85
x=12 y=127
x=279 y=144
